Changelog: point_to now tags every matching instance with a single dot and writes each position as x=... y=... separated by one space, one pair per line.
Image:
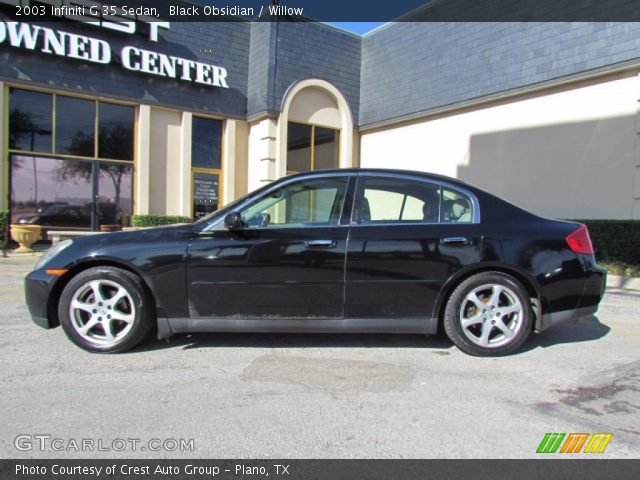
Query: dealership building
x=103 y=120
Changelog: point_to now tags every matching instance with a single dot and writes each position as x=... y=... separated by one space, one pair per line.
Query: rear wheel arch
x=56 y=292
x=456 y=280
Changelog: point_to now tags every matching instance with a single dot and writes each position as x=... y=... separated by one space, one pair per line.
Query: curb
x=624 y=283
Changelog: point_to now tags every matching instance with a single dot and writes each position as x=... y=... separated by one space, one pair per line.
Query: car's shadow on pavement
x=590 y=329
x=294 y=340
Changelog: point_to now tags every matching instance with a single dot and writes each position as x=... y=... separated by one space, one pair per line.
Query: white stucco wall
x=568 y=152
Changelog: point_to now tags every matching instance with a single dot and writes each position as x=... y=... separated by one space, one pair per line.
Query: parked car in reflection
x=60 y=216
x=63 y=215
x=345 y=251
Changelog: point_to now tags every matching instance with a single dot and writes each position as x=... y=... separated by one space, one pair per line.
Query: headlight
x=52 y=252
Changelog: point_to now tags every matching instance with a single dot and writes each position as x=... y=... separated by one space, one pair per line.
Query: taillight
x=580 y=242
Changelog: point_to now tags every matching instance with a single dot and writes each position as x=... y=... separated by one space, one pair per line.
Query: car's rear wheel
x=106 y=309
x=488 y=314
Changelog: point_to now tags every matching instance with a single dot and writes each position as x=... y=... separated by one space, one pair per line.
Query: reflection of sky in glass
x=37 y=108
x=205 y=143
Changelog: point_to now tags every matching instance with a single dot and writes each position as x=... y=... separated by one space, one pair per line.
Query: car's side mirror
x=233 y=221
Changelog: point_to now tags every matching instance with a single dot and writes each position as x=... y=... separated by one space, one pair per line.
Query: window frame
x=312 y=146
x=54 y=94
x=441 y=184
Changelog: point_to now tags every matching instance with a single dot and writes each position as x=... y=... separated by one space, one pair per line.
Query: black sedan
x=345 y=251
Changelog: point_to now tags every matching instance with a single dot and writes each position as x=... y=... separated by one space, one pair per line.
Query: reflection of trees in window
x=115 y=141
x=73 y=170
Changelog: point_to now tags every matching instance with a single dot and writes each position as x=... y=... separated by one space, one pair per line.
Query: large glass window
x=30 y=118
x=66 y=182
x=309 y=202
x=206 y=163
x=75 y=126
x=60 y=193
x=115 y=131
x=310 y=147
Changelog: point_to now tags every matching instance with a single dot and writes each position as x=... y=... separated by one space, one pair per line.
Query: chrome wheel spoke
x=85 y=307
x=93 y=321
x=486 y=332
x=500 y=325
x=123 y=317
x=474 y=320
x=505 y=311
x=473 y=298
x=494 y=301
x=108 y=332
x=97 y=294
x=120 y=294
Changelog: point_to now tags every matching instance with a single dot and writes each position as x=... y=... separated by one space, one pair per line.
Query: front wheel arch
x=56 y=291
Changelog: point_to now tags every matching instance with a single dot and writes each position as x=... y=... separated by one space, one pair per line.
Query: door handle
x=450 y=240
x=320 y=244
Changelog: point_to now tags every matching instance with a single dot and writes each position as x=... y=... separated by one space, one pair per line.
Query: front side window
x=315 y=202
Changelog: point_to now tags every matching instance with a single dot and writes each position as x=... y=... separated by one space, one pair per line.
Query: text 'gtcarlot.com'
x=48 y=443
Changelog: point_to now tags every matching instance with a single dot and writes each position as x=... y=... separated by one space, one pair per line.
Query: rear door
x=408 y=236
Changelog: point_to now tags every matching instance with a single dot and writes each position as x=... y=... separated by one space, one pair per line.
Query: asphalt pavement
x=314 y=396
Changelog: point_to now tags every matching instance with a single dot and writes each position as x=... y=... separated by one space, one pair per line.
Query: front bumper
x=37 y=287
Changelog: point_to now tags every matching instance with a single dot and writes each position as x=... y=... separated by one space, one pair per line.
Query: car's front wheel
x=488 y=314
x=106 y=309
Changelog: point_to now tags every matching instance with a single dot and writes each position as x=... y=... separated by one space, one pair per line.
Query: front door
x=287 y=261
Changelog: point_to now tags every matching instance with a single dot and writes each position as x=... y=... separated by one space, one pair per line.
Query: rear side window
x=384 y=200
x=394 y=200
x=456 y=207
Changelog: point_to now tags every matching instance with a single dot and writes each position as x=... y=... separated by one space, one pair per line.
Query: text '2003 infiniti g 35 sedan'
x=346 y=251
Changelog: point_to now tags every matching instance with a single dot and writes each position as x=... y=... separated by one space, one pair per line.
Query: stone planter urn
x=25 y=235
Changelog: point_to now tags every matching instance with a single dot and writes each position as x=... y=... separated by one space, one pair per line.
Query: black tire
x=491 y=330
x=127 y=315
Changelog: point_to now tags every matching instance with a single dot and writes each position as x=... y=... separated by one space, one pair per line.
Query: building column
x=143 y=160
x=234 y=160
x=262 y=153
x=184 y=174
x=4 y=135
x=635 y=210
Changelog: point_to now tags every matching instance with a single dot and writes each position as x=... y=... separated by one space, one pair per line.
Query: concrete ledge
x=624 y=283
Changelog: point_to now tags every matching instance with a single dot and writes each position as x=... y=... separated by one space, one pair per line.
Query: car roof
x=388 y=171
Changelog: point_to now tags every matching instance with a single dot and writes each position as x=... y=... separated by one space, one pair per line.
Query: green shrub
x=615 y=241
x=4 y=229
x=156 y=220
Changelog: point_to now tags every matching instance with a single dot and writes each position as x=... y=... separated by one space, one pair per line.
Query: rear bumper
x=595 y=284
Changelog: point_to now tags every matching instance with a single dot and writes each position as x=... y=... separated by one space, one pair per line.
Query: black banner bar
x=552 y=469
x=327 y=10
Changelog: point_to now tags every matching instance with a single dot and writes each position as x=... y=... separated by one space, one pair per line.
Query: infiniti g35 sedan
x=343 y=251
